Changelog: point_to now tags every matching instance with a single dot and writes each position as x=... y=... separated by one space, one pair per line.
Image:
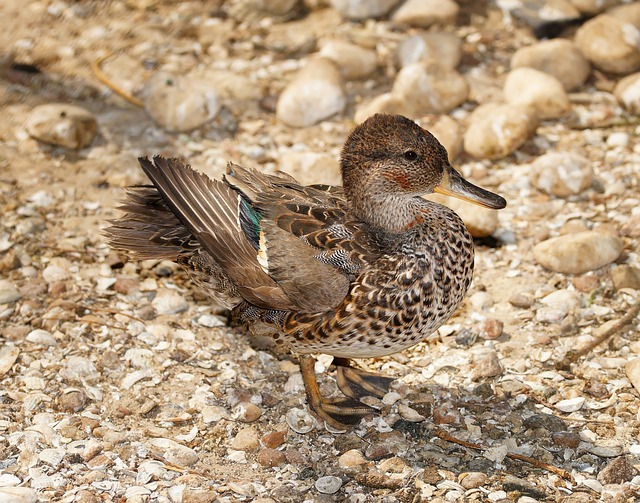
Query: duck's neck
x=388 y=212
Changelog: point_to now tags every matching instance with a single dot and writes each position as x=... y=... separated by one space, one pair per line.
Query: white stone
x=430 y=87
x=611 y=44
x=353 y=61
x=39 y=336
x=496 y=130
x=64 y=125
x=481 y=222
x=169 y=302
x=561 y=173
x=8 y=292
x=173 y=452
x=441 y=46
x=627 y=92
x=315 y=93
x=18 y=495
x=180 y=103
x=558 y=57
x=578 y=253
x=363 y=9
x=424 y=13
x=541 y=91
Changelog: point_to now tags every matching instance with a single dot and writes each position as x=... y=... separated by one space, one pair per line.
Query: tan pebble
x=393 y=465
x=246 y=412
x=472 y=480
x=586 y=283
x=491 y=329
x=274 y=439
x=521 y=300
x=271 y=457
x=536 y=89
x=246 y=439
x=353 y=458
x=632 y=369
x=424 y=13
x=64 y=125
x=626 y=276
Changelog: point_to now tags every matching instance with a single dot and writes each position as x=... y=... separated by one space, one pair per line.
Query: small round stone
x=246 y=412
x=353 y=61
x=471 y=480
x=627 y=92
x=443 y=47
x=363 y=9
x=8 y=292
x=538 y=90
x=424 y=13
x=169 y=302
x=328 y=484
x=315 y=93
x=63 y=125
x=271 y=457
x=562 y=173
x=558 y=57
x=578 y=253
x=246 y=439
x=300 y=421
x=611 y=44
x=353 y=458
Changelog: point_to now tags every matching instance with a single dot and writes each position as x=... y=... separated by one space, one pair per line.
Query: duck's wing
x=209 y=210
x=302 y=237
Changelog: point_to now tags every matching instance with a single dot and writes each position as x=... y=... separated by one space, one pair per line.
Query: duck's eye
x=410 y=155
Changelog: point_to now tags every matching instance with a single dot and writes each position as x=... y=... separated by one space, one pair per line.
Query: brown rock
x=626 y=276
x=274 y=439
x=618 y=471
x=271 y=457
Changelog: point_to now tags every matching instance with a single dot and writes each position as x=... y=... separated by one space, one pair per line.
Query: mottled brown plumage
x=360 y=271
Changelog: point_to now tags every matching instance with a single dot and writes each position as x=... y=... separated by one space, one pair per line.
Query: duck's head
x=391 y=157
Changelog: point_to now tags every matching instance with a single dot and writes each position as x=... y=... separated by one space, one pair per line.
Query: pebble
x=569 y=301
x=558 y=57
x=18 y=495
x=8 y=292
x=328 y=484
x=271 y=457
x=626 y=276
x=54 y=273
x=363 y=9
x=274 y=439
x=180 y=103
x=491 y=329
x=315 y=93
x=448 y=132
x=353 y=61
x=578 y=253
x=521 y=300
x=480 y=222
x=424 y=13
x=618 y=471
x=567 y=439
x=39 y=336
x=169 y=302
x=561 y=173
x=627 y=92
x=472 y=480
x=570 y=404
x=246 y=412
x=611 y=44
x=486 y=363
x=538 y=90
x=497 y=130
x=353 y=458
x=410 y=414
x=430 y=87
x=481 y=301
x=173 y=452
x=386 y=103
x=64 y=125
x=8 y=356
x=440 y=46
x=632 y=370
x=247 y=439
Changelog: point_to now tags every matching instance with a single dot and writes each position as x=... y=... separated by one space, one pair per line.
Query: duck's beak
x=453 y=184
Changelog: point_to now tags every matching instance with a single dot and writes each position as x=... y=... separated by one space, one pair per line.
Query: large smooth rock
x=64 y=125
x=480 y=222
x=496 y=130
x=353 y=61
x=592 y=7
x=627 y=92
x=386 y=103
x=180 y=103
x=611 y=44
x=578 y=253
x=562 y=173
x=315 y=93
x=441 y=46
x=363 y=9
x=558 y=57
x=424 y=13
x=541 y=91
x=430 y=87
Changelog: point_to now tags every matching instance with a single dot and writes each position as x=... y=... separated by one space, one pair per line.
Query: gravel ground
x=120 y=382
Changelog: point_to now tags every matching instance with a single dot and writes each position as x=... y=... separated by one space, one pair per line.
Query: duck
x=362 y=270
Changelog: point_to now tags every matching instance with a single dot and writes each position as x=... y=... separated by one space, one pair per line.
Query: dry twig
x=102 y=77
x=535 y=462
